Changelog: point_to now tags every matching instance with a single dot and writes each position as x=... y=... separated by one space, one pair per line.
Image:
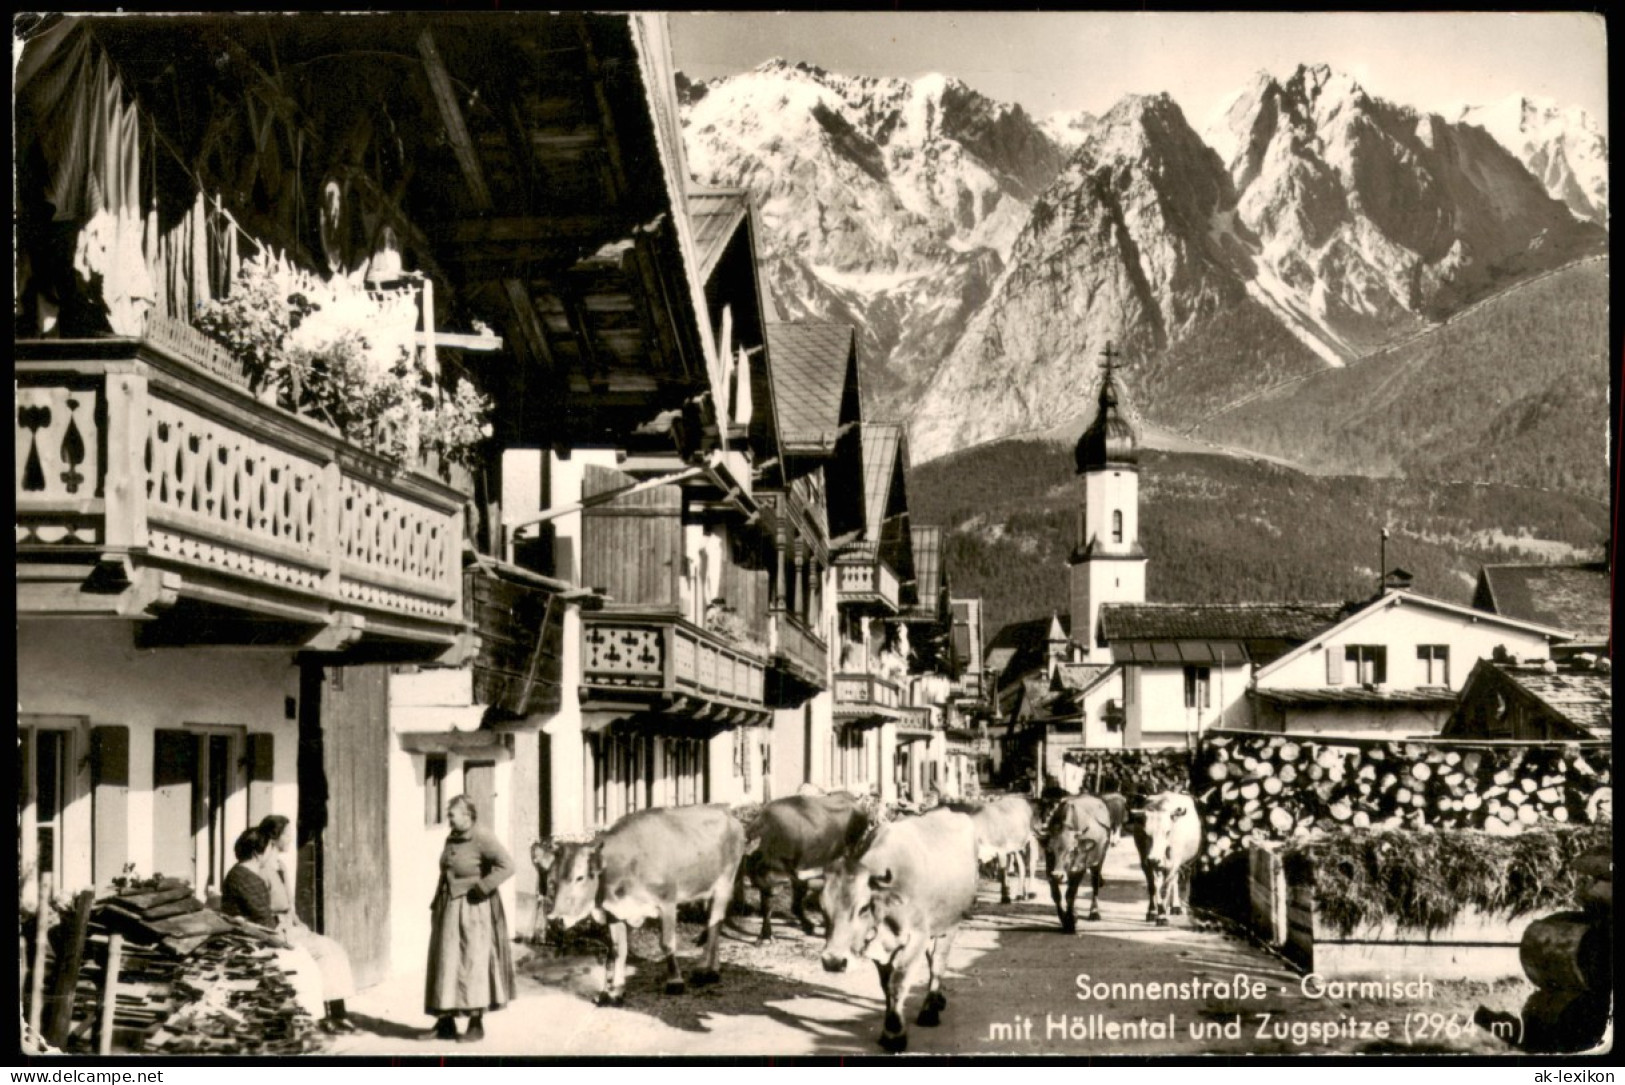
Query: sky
x=1051 y=62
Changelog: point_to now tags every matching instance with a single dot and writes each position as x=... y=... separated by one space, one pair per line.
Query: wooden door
x=480 y=785
x=174 y=769
x=348 y=837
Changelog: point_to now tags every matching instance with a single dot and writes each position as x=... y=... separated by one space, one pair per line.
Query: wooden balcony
x=798 y=661
x=152 y=484
x=664 y=663
x=869 y=583
x=914 y=721
x=867 y=697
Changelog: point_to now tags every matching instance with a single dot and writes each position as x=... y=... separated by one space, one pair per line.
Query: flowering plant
x=347 y=356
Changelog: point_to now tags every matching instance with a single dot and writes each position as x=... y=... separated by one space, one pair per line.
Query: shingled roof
x=1573 y=597
x=1584 y=698
x=715 y=213
x=1217 y=621
x=928 y=563
x=881 y=446
x=810 y=367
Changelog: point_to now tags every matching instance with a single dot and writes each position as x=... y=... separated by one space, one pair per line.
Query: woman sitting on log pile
x=246 y=894
x=333 y=962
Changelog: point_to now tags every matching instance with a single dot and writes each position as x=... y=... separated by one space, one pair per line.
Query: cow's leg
x=896 y=978
x=1150 y=890
x=936 y=958
x=1182 y=890
x=1026 y=857
x=1095 y=880
x=668 y=946
x=798 y=904
x=538 y=924
x=720 y=894
x=1061 y=911
x=614 y=992
x=764 y=886
x=1004 y=878
x=1074 y=879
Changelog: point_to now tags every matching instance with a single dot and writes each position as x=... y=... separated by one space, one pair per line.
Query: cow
x=1004 y=832
x=645 y=866
x=794 y=837
x=541 y=857
x=904 y=895
x=1168 y=835
x=1075 y=844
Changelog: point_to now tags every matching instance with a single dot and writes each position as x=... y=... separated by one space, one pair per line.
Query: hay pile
x=1422 y=879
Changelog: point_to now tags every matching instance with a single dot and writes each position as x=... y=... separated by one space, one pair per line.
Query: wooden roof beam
x=606 y=116
x=451 y=115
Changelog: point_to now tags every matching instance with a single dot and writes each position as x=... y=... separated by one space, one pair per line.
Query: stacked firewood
x=1253 y=789
x=189 y=980
x=1136 y=772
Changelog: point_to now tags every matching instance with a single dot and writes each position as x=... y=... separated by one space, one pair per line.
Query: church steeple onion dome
x=1112 y=438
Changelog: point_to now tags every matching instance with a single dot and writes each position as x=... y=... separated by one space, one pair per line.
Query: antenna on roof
x=1382 y=564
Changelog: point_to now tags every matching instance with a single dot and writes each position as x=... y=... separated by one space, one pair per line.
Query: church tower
x=1107 y=562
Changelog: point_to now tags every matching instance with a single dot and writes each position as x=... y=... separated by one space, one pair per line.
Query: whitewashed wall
x=92 y=669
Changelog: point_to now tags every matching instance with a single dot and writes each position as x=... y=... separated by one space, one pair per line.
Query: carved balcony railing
x=867 y=696
x=868 y=583
x=146 y=474
x=915 y=721
x=797 y=653
x=672 y=665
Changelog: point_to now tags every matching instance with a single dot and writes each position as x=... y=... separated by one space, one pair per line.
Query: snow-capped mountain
x=888 y=203
x=1565 y=148
x=987 y=258
x=1118 y=249
x=1339 y=218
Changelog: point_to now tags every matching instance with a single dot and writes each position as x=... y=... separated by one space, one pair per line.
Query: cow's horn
x=880 y=881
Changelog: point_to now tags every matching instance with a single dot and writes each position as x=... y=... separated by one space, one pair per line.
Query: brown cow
x=903 y=896
x=645 y=866
x=1075 y=843
x=795 y=838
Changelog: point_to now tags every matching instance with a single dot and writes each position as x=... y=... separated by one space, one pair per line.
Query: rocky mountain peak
x=1564 y=147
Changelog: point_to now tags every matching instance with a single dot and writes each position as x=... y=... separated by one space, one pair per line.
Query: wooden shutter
x=261 y=776
x=1334 y=666
x=632 y=547
x=110 y=807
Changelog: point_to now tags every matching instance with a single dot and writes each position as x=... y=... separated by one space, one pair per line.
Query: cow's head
x=1162 y=817
x=572 y=881
x=1068 y=845
x=848 y=899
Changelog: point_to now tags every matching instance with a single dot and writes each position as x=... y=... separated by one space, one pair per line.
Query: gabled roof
x=1574 y=597
x=928 y=564
x=1584 y=698
x=1422 y=602
x=882 y=445
x=715 y=214
x=812 y=365
x=1081 y=677
x=1180 y=633
x=1024 y=645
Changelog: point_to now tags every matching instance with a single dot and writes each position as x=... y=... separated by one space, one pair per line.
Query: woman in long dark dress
x=470 y=963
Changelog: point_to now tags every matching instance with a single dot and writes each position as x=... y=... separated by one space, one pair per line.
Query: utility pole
x=1382 y=563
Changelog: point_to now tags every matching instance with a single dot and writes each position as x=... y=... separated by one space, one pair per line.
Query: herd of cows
x=892 y=891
